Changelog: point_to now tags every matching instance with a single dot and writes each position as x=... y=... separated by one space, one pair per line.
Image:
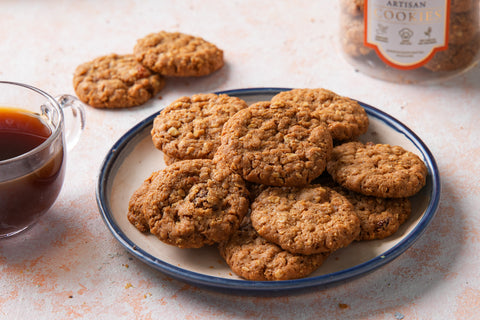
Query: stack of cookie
x=265 y=183
x=122 y=81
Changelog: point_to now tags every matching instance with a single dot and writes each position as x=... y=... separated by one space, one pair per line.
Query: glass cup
x=32 y=174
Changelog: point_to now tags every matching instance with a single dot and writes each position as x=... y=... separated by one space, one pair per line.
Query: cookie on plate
x=345 y=118
x=193 y=203
x=135 y=206
x=177 y=54
x=379 y=170
x=379 y=217
x=115 y=81
x=275 y=144
x=308 y=220
x=253 y=258
x=190 y=127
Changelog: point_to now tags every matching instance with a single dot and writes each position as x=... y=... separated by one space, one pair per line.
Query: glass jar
x=410 y=41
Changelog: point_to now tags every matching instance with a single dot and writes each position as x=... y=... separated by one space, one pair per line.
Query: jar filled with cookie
x=410 y=41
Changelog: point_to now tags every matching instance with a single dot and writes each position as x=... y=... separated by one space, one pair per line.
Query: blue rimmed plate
x=133 y=158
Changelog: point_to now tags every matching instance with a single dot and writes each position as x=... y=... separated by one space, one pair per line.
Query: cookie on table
x=379 y=217
x=345 y=118
x=177 y=54
x=275 y=144
x=193 y=203
x=309 y=220
x=379 y=170
x=190 y=127
x=115 y=81
x=254 y=258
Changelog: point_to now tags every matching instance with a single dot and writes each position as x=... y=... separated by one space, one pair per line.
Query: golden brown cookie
x=353 y=7
x=253 y=258
x=190 y=127
x=345 y=118
x=193 y=203
x=115 y=81
x=135 y=205
x=275 y=144
x=379 y=217
x=377 y=170
x=463 y=27
x=178 y=55
x=352 y=40
x=309 y=220
x=456 y=57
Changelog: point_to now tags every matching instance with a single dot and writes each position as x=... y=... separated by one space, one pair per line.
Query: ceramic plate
x=133 y=158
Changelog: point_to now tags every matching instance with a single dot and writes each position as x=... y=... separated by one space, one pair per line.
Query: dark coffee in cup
x=25 y=197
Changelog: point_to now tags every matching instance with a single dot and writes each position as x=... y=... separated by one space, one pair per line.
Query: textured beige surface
x=69 y=266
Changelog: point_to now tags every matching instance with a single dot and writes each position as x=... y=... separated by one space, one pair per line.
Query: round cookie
x=135 y=206
x=377 y=170
x=178 y=55
x=345 y=118
x=463 y=28
x=115 y=81
x=193 y=203
x=455 y=57
x=275 y=144
x=379 y=217
x=190 y=127
x=309 y=220
x=253 y=258
x=353 y=7
x=352 y=40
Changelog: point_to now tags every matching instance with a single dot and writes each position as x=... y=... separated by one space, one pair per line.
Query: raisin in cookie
x=309 y=220
x=115 y=81
x=193 y=203
x=379 y=217
x=377 y=170
x=178 y=55
x=190 y=127
x=253 y=258
x=345 y=118
x=275 y=144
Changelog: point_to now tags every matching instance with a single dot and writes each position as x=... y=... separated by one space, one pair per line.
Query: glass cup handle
x=74 y=114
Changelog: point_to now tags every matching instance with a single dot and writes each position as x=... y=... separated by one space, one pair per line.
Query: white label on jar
x=406 y=34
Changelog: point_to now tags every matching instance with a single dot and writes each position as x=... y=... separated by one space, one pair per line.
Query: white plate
x=133 y=158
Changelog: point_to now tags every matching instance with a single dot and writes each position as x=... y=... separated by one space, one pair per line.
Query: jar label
x=406 y=34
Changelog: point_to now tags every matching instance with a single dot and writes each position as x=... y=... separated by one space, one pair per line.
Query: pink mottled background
x=69 y=266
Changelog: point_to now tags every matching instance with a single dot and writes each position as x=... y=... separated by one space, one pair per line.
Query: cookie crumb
x=128 y=285
x=343 y=306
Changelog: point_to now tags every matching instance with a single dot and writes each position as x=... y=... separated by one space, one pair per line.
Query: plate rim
x=213 y=282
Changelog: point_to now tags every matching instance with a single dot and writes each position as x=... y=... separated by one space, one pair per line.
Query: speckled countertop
x=69 y=266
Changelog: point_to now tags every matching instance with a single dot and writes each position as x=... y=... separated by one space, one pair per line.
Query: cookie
x=353 y=7
x=462 y=5
x=308 y=220
x=193 y=203
x=345 y=118
x=379 y=217
x=456 y=57
x=275 y=144
x=463 y=27
x=378 y=170
x=135 y=206
x=352 y=38
x=253 y=258
x=190 y=127
x=115 y=81
x=176 y=54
